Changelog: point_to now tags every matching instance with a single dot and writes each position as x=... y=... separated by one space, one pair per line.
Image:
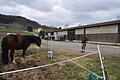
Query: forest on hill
x=21 y=23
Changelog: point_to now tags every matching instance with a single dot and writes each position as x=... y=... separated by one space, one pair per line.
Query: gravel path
x=76 y=47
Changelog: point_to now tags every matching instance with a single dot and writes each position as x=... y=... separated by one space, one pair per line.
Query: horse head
x=38 y=41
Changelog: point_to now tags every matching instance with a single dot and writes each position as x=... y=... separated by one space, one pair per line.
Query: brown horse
x=14 y=42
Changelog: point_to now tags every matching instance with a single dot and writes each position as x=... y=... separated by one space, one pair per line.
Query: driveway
x=76 y=47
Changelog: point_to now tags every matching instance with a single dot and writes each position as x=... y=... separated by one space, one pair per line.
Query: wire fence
x=32 y=68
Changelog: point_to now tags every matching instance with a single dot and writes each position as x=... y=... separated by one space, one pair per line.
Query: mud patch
x=32 y=59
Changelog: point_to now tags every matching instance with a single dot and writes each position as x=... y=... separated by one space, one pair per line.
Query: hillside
x=20 y=23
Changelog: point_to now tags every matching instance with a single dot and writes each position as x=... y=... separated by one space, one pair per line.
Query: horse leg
x=23 y=54
x=12 y=56
x=5 y=57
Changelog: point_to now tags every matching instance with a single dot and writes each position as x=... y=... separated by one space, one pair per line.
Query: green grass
x=113 y=68
x=0 y=39
x=2 y=28
x=9 y=30
x=31 y=33
x=71 y=71
x=93 y=64
x=114 y=44
x=6 y=29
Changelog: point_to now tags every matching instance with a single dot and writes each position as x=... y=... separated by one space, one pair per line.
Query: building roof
x=90 y=25
x=93 y=25
x=48 y=29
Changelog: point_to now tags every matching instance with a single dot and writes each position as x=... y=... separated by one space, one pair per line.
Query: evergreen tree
x=29 y=29
x=42 y=34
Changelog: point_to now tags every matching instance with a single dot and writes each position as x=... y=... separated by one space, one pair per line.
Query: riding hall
x=99 y=32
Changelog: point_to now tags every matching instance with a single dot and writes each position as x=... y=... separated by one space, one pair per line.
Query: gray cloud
x=62 y=12
x=41 y=5
x=87 y=5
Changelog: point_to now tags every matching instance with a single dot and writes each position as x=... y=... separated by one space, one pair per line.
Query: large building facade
x=100 y=32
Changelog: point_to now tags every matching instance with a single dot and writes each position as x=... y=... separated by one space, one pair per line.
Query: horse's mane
x=31 y=38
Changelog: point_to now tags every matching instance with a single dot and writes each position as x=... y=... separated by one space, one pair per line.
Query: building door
x=71 y=35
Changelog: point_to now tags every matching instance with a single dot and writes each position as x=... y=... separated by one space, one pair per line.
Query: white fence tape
x=26 y=69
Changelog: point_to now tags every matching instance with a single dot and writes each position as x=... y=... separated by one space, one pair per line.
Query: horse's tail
x=5 y=49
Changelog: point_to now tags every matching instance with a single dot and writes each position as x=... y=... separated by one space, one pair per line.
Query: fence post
x=105 y=69
x=102 y=64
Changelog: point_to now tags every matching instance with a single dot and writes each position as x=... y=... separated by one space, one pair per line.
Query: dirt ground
x=34 y=57
x=32 y=60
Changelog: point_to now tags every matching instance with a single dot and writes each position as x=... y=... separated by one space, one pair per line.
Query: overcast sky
x=63 y=12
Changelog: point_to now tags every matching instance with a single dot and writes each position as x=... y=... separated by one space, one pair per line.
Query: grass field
x=5 y=30
x=2 y=28
x=0 y=39
x=71 y=71
x=64 y=71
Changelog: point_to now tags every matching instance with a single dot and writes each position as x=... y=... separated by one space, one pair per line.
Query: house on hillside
x=37 y=30
x=48 y=30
